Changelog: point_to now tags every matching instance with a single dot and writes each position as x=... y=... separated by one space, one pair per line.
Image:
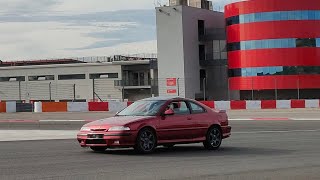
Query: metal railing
x=120 y=83
x=106 y=89
x=89 y=59
x=213 y=34
x=214 y=56
x=38 y=91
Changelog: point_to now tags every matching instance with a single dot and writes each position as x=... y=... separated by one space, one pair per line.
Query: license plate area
x=95 y=136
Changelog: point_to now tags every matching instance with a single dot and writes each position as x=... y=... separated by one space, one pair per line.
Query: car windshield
x=142 y=108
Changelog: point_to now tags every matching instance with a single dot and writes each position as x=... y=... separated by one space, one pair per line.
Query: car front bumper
x=106 y=139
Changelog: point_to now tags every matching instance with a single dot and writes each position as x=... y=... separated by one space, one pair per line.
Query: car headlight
x=119 y=128
x=85 y=129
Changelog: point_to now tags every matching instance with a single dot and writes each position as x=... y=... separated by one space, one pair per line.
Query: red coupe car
x=157 y=121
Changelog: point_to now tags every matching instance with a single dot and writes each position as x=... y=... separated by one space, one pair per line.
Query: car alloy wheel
x=214 y=138
x=146 y=141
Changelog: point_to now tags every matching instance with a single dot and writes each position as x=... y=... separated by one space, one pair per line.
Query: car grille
x=95 y=141
x=98 y=129
x=95 y=136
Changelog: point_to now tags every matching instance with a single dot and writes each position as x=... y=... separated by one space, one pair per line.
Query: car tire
x=146 y=141
x=213 y=138
x=98 y=149
x=168 y=145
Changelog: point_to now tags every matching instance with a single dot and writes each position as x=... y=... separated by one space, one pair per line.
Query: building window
x=201 y=28
x=14 y=78
x=306 y=42
x=318 y=42
x=71 y=76
x=232 y=20
x=274 y=16
x=202 y=52
x=274 y=43
x=41 y=78
x=235 y=46
x=203 y=75
x=103 y=75
x=274 y=70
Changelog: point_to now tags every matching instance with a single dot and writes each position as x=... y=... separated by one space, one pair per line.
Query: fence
x=95 y=59
x=274 y=88
x=11 y=107
x=90 y=90
x=118 y=90
x=104 y=89
x=39 y=91
x=252 y=88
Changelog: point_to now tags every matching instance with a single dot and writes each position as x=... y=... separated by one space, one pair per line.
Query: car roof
x=164 y=98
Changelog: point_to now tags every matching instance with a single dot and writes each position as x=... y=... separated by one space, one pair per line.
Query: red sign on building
x=171 y=81
x=171 y=91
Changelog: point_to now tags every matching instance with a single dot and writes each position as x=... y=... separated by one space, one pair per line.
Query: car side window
x=196 y=109
x=179 y=107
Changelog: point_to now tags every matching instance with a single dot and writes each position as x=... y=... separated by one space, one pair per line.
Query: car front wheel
x=146 y=141
x=213 y=138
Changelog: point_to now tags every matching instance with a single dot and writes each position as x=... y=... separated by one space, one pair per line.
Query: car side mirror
x=169 y=112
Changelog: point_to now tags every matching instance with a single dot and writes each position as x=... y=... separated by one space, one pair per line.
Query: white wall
x=60 y=89
x=178 y=45
x=170 y=47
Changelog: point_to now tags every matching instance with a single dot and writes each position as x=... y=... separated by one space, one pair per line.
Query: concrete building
x=203 y=4
x=118 y=78
x=192 y=55
x=273 y=49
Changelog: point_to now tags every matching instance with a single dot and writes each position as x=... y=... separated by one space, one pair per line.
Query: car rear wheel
x=98 y=149
x=213 y=138
x=146 y=141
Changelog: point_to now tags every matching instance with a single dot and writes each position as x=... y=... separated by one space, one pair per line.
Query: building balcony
x=215 y=59
x=133 y=84
x=212 y=34
x=221 y=62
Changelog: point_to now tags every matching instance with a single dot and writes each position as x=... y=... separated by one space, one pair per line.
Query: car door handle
x=189 y=118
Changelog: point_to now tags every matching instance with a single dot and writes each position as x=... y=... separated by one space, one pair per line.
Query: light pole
x=204 y=89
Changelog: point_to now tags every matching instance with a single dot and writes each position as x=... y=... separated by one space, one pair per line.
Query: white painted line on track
x=28 y=135
x=231 y=119
x=52 y=120
x=275 y=119
x=240 y=119
x=289 y=131
x=305 y=119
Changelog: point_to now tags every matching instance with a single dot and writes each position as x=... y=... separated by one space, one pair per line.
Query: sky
x=41 y=29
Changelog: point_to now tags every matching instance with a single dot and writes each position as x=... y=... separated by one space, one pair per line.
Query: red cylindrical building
x=274 y=48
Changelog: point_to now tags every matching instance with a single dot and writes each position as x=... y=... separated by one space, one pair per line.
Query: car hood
x=116 y=121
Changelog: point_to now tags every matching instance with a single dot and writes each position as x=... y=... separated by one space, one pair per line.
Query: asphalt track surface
x=280 y=113
x=257 y=150
x=61 y=121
